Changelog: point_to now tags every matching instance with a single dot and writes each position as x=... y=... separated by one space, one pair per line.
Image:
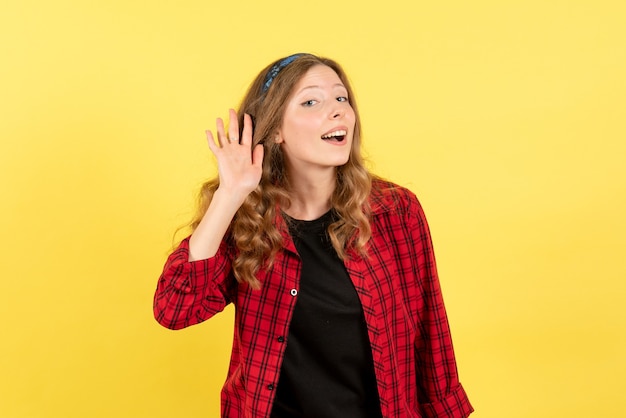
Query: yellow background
x=507 y=118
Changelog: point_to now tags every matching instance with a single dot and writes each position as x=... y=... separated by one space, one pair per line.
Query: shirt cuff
x=455 y=405
x=193 y=276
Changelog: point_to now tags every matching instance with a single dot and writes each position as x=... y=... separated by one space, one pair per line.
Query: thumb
x=257 y=155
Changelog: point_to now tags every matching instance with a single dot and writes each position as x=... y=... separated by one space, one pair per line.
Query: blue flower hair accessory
x=273 y=72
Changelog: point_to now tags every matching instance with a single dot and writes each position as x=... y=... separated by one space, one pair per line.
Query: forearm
x=207 y=237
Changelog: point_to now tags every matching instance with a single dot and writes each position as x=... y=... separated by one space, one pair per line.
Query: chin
x=342 y=162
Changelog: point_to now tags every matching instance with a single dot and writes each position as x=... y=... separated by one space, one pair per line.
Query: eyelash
x=308 y=103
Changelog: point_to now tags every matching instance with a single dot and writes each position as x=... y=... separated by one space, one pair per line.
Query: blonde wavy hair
x=253 y=231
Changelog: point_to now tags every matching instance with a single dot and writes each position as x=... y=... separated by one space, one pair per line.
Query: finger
x=246 y=135
x=257 y=156
x=233 y=126
x=211 y=141
x=221 y=136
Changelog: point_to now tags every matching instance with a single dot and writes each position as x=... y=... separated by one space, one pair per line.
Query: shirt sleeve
x=440 y=392
x=189 y=292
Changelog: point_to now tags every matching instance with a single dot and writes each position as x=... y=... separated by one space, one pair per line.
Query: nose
x=337 y=112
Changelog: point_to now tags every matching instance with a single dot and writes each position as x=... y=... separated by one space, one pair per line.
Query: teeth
x=335 y=133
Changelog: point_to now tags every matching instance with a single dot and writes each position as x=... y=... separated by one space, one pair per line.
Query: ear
x=278 y=138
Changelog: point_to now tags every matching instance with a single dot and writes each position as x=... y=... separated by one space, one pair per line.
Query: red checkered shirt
x=399 y=290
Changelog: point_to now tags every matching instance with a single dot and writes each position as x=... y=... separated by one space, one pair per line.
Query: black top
x=328 y=370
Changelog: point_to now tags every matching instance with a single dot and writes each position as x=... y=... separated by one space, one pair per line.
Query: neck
x=310 y=196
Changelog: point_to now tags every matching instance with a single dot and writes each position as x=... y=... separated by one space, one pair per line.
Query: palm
x=239 y=166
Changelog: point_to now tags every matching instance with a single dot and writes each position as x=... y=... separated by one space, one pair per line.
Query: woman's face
x=318 y=123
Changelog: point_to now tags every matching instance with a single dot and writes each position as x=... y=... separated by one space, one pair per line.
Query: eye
x=309 y=103
x=342 y=99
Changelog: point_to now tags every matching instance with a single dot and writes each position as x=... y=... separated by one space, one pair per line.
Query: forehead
x=319 y=76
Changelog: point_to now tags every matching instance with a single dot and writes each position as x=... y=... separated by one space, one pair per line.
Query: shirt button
x=293 y=292
x=281 y=339
x=270 y=387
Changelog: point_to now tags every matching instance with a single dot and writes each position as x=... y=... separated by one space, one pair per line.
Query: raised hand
x=239 y=166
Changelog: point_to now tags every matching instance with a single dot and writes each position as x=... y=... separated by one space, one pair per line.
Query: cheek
x=304 y=126
x=350 y=113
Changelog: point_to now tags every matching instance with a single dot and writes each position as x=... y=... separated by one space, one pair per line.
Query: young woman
x=338 y=307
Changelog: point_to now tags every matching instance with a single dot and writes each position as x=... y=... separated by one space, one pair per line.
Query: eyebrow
x=315 y=86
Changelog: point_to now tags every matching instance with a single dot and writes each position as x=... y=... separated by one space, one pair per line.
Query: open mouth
x=335 y=136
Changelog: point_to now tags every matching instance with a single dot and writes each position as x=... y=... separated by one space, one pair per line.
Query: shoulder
x=388 y=197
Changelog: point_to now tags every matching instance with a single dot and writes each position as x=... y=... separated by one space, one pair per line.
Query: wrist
x=230 y=197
